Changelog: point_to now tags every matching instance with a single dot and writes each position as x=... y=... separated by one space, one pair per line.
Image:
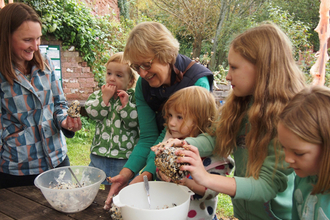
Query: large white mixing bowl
x=168 y=201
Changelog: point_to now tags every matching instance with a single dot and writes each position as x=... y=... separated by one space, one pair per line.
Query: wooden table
x=27 y=202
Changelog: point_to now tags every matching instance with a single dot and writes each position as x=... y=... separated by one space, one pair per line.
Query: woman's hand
x=123 y=96
x=107 y=92
x=163 y=177
x=139 y=178
x=118 y=182
x=71 y=124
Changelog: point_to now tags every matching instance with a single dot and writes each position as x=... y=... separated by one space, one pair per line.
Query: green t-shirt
x=307 y=206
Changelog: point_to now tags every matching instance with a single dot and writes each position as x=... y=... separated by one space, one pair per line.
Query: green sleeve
x=148 y=132
x=273 y=179
x=204 y=142
x=151 y=167
x=295 y=214
x=130 y=109
x=95 y=104
x=203 y=82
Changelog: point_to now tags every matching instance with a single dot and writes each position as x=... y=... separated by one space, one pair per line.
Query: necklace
x=28 y=77
x=27 y=73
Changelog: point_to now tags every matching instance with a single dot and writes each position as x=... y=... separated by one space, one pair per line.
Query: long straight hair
x=11 y=17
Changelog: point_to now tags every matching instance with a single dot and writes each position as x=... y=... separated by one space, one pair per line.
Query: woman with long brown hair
x=33 y=109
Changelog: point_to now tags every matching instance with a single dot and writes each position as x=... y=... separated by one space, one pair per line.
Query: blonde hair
x=151 y=38
x=196 y=103
x=307 y=116
x=12 y=16
x=278 y=79
x=119 y=58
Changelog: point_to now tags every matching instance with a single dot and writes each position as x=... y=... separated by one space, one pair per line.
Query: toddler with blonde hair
x=188 y=113
x=114 y=110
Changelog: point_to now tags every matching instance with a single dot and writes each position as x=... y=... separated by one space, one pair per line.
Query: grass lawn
x=225 y=207
x=79 y=145
x=79 y=150
x=79 y=153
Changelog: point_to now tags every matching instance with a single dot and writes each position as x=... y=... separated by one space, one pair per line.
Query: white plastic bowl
x=70 y=200
x=133 y=203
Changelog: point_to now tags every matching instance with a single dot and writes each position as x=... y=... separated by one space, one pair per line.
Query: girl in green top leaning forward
x=114 y=110
x=303 y=131
x=264 y=77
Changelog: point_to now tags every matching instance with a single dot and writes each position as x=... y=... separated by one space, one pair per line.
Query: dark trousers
x=8 y=180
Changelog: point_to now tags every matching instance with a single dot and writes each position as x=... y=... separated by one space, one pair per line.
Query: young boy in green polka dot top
x=114 y=110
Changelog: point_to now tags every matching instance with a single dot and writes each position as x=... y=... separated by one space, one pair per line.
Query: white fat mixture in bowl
x=63 y=192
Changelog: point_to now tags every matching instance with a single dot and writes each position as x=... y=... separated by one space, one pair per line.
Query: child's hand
x=167 y=144
x=123 y=96
x=107 y=92
x=195 y=167
x=163 y=177
x=183 y=181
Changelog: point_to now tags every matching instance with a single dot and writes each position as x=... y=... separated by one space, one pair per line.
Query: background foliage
x=209 y=26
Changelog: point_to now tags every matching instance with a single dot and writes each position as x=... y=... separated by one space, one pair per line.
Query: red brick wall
x=103 y=7
x=77 y=79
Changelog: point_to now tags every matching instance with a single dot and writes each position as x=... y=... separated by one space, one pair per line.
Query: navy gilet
x=156 y=97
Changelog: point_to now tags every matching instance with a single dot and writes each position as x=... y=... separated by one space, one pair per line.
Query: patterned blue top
x=31 y=113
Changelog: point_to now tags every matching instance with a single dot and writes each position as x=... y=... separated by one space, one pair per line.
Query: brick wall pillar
x=104 y=7
x=77 y=78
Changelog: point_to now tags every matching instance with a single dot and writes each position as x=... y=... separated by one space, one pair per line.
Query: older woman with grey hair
x=154 y=53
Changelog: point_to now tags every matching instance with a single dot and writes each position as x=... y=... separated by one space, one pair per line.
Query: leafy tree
x=197 y=17
x=306 y=11
x=296 y=30
x=233 y=15
x=124 y=8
